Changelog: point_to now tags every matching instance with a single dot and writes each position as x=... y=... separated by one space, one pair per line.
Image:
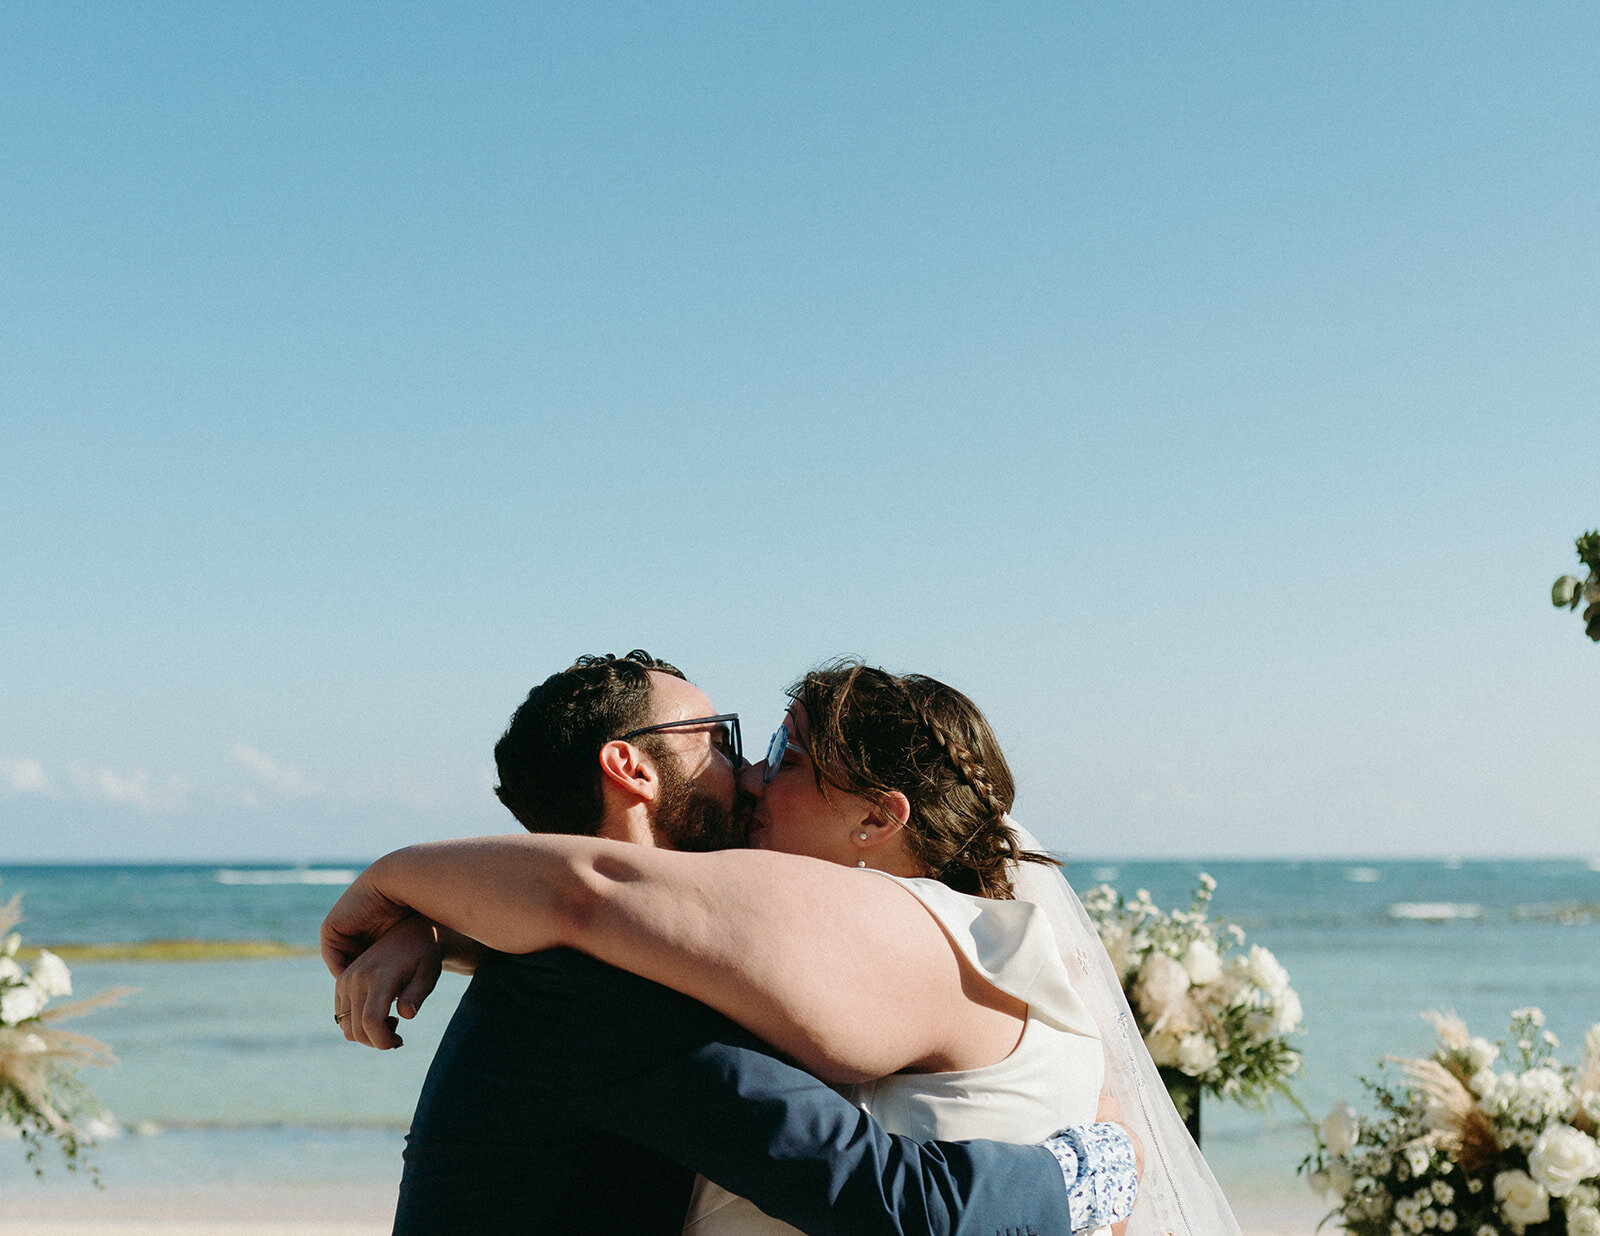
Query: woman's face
x=791 y=813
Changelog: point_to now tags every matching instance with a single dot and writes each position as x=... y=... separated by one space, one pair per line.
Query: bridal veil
x=1178 y=1195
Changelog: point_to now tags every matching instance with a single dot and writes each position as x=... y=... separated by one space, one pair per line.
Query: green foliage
x=1569 y=591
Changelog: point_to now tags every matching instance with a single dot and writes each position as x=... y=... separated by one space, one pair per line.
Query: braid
x=873 y=733
x=967 y=766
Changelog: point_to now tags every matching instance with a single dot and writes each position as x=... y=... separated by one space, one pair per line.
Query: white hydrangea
x=1197 y=1054
x=1286 y=1012
x=1202 y=962
x=1265 y=971
x=1162 y=982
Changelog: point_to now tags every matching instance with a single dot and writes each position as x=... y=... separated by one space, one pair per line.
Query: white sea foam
x=1434 y=911
x=288 y=875
x=1363 y=875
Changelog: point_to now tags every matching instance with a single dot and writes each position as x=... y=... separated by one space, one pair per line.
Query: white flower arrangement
x=40 y=1094
x=1208 y=1010
x=1458 y=1144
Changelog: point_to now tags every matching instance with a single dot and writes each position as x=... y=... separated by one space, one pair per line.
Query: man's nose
x=753 y=780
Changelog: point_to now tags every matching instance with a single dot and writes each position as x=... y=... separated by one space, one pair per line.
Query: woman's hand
x=357 y=919
x=398 y=969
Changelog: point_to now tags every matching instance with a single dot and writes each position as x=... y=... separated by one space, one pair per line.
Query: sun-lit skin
x=844 y=971
x=793 y=816
x=706 y=766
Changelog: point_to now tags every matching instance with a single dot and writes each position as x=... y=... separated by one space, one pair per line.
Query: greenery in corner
x=1569 y=591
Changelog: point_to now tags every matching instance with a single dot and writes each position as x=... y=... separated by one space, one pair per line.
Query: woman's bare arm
x=844 y=971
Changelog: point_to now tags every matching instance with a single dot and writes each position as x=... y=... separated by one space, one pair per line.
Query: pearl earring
x=861 y=862
x=863 y=836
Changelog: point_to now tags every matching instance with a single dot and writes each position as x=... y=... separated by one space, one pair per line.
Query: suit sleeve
x=683 y=1080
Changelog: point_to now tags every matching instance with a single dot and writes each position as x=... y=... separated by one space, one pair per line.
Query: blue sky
x=1210 y=393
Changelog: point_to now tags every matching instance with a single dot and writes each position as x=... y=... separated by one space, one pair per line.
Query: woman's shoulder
x=1011 y=944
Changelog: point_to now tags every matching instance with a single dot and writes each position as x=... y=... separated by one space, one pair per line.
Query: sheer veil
x=1178 y=1195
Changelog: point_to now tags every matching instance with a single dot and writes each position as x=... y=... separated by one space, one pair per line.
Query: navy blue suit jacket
x=568 y=1096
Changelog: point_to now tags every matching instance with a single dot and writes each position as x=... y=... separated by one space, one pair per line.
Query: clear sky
x=1210 y=391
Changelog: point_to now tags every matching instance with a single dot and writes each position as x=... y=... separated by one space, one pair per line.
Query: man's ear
x=629 y=771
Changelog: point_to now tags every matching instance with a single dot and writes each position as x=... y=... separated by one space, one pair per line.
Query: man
x=568 y=1096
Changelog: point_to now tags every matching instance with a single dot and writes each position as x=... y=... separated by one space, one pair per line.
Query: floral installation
x=1461 y=1145
x=40 y=1094
x=1207 y=1008
x=1569 y=591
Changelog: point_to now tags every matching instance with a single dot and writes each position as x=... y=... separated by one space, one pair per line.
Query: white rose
x=1196 y=1054
x=1563 y=1158
x=1265 y=971
x=10 y=971
x=51 y=976
x=1286 y=1013
x=1522 y=1199
x=1583 y=1221
x=1341 y=1128
x=1162 y=980
x=17 y=1004
x=1203 y=963
x=1481 y=1054
x=1584 y=1195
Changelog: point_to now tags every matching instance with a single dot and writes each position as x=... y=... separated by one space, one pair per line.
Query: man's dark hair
x=549 y=775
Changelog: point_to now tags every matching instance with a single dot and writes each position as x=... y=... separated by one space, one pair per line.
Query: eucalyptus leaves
x=1569 y=591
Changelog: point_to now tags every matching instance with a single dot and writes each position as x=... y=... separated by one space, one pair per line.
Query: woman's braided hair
x=873 y=732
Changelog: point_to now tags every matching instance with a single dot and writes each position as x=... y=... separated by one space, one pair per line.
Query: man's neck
x=631 y=825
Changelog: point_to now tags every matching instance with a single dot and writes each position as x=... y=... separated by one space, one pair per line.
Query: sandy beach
x=332 y=1211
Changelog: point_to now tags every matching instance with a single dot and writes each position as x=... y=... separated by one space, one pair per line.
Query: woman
x=899 y=965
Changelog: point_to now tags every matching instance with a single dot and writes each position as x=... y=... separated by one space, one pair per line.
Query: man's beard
x=692 y=820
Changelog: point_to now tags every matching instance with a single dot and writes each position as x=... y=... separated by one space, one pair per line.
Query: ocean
x=231 y=1071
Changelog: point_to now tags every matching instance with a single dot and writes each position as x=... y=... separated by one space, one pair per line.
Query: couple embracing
x=887 y=1014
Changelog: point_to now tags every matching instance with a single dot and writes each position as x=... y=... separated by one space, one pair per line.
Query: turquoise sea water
x=233 y=1070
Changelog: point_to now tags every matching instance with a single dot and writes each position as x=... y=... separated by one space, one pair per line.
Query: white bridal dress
x=1079 y=1039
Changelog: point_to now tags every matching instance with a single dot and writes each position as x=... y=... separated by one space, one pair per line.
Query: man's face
x=701 y=806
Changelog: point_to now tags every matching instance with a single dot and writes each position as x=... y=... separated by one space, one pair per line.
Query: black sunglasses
x=725 y=739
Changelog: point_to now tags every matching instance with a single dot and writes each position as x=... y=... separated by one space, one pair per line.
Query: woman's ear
x=893 y=810
x=627 y=770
